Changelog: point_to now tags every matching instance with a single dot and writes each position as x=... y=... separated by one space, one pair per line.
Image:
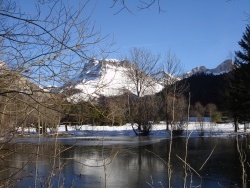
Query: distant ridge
x=225 y=67
x=109 y=77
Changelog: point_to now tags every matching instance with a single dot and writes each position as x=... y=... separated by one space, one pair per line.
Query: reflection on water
x=141 y=163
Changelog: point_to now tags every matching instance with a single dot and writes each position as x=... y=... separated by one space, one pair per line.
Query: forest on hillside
x=208 y=88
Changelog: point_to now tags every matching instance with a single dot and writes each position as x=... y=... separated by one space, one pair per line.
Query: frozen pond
x=124 y=161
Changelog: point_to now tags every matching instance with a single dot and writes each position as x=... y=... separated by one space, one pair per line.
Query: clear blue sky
x=199 y=32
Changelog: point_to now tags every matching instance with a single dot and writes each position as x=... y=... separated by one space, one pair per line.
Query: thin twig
x=207 y=158
x=189 y=166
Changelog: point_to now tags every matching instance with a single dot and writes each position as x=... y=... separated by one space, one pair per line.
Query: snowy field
x=158 y=130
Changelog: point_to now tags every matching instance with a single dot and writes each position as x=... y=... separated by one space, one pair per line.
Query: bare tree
x=199 y=111
x=211 y=108
x=43 y=47
x=213 y=112
x=171 y=71
x=141 y=81
x=49 y=46
x=117 y=107
x=140 y=5
x=142 y=67
x=144 y=114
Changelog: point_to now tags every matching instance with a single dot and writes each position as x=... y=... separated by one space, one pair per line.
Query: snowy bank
x=158 y=130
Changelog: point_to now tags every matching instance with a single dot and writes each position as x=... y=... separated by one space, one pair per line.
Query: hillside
x=208 y=88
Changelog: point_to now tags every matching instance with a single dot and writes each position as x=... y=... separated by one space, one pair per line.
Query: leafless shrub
x=40 y=48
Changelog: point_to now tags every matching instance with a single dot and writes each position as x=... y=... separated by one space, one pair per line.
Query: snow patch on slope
x=107 y=77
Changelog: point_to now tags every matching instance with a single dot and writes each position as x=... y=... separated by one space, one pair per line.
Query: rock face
x=107 y=77
x=224 y=67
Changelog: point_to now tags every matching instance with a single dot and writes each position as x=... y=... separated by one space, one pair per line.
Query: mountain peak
x=109 y=77
x=224 y=67
x=106 y=77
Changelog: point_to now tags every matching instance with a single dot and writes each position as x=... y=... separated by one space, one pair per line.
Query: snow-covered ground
x=158 y=130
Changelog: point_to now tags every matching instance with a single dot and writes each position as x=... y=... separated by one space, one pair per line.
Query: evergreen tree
x=239 y=91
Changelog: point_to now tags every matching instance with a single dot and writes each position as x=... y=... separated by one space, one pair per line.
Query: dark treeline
x=208 y=88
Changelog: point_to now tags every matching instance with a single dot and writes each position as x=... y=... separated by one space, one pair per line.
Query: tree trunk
x=236 y=125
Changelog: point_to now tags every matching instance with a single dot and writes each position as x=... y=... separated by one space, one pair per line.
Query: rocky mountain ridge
x=225 y=67
x=109 y=77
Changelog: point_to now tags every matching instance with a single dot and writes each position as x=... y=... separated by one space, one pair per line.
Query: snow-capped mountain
x=225 y=67
x=110 y=77
x=107 y=77
x=165 y=78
